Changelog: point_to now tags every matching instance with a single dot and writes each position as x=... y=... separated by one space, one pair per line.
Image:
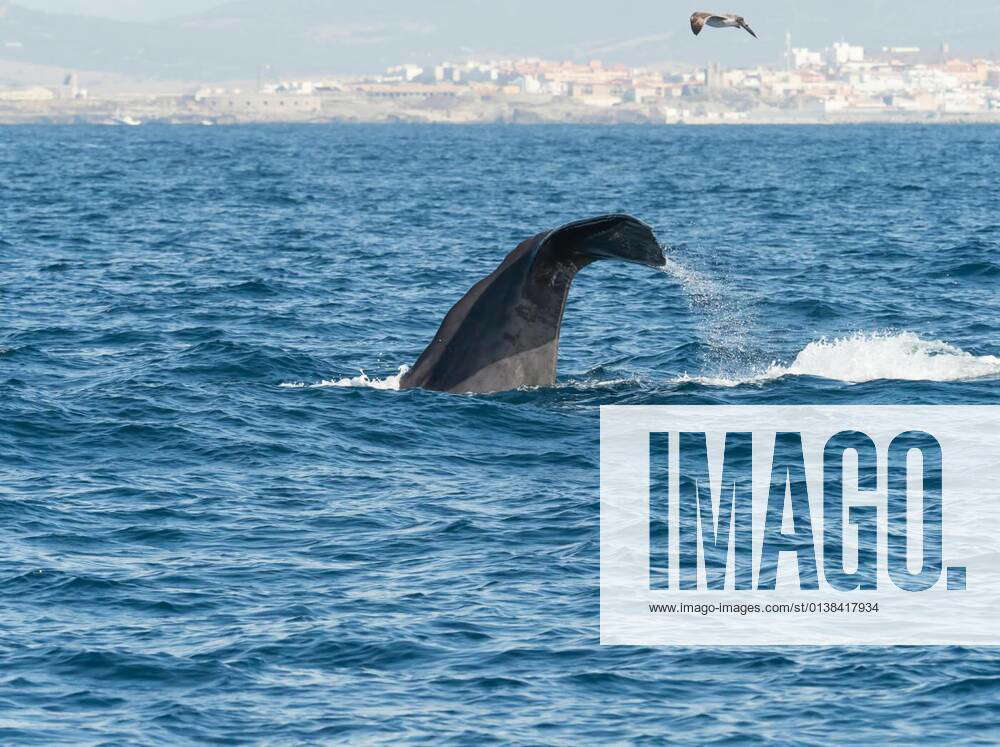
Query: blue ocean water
x=222 y=523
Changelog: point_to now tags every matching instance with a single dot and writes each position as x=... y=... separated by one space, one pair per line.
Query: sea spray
x=726 y=320
x=871 y=356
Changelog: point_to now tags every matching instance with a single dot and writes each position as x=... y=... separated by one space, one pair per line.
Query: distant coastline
x=845 y=84
x=520 y=109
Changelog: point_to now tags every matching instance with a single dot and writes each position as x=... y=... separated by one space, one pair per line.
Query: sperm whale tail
x=504 y=333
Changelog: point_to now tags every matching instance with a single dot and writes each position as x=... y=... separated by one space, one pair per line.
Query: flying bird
x=719 y=21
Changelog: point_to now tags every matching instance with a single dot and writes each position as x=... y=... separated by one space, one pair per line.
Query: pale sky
x=356 y=35
x=974 y=22
x=124 y=10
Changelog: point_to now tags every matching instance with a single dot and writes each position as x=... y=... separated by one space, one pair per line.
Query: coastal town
x=843 y=83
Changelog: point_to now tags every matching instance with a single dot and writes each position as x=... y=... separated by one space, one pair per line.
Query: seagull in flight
x=719 y=21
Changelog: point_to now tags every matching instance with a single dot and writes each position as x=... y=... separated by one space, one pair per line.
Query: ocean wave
x=870 y=356
x=363 y=381
x=981 y=268
x=854 y=359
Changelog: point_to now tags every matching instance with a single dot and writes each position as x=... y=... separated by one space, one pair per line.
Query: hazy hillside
x=299 y=36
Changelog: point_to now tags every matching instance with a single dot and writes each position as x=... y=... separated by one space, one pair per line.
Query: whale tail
x=504 y=333
x=620 y=237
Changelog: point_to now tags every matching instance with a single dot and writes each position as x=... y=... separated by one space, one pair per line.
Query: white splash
x=871 y=356
x=726 y=319
x=723 y=381
x=701 y=289
x=902 y=356
x=390 y=383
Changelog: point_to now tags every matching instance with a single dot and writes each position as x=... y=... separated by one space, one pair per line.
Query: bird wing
x=698 y=21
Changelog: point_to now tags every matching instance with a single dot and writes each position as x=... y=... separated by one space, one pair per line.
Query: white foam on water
x=871 y=356
x=595 y=383
x=390 y=383
x=855 y=359
x=723 y=381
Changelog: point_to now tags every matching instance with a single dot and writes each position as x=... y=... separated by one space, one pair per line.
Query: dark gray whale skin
x=504 y=333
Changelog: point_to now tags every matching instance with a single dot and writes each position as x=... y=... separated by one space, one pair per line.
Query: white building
x=834 y=104
x=447 y=73
x=300 y=87
x=842 y=53
x=802 y=57
x=407 y=73
x=529 y=84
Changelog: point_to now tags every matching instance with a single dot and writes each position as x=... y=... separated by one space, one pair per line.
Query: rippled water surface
x=221 y=521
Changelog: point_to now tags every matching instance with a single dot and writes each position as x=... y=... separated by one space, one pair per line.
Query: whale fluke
x=504 y=333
